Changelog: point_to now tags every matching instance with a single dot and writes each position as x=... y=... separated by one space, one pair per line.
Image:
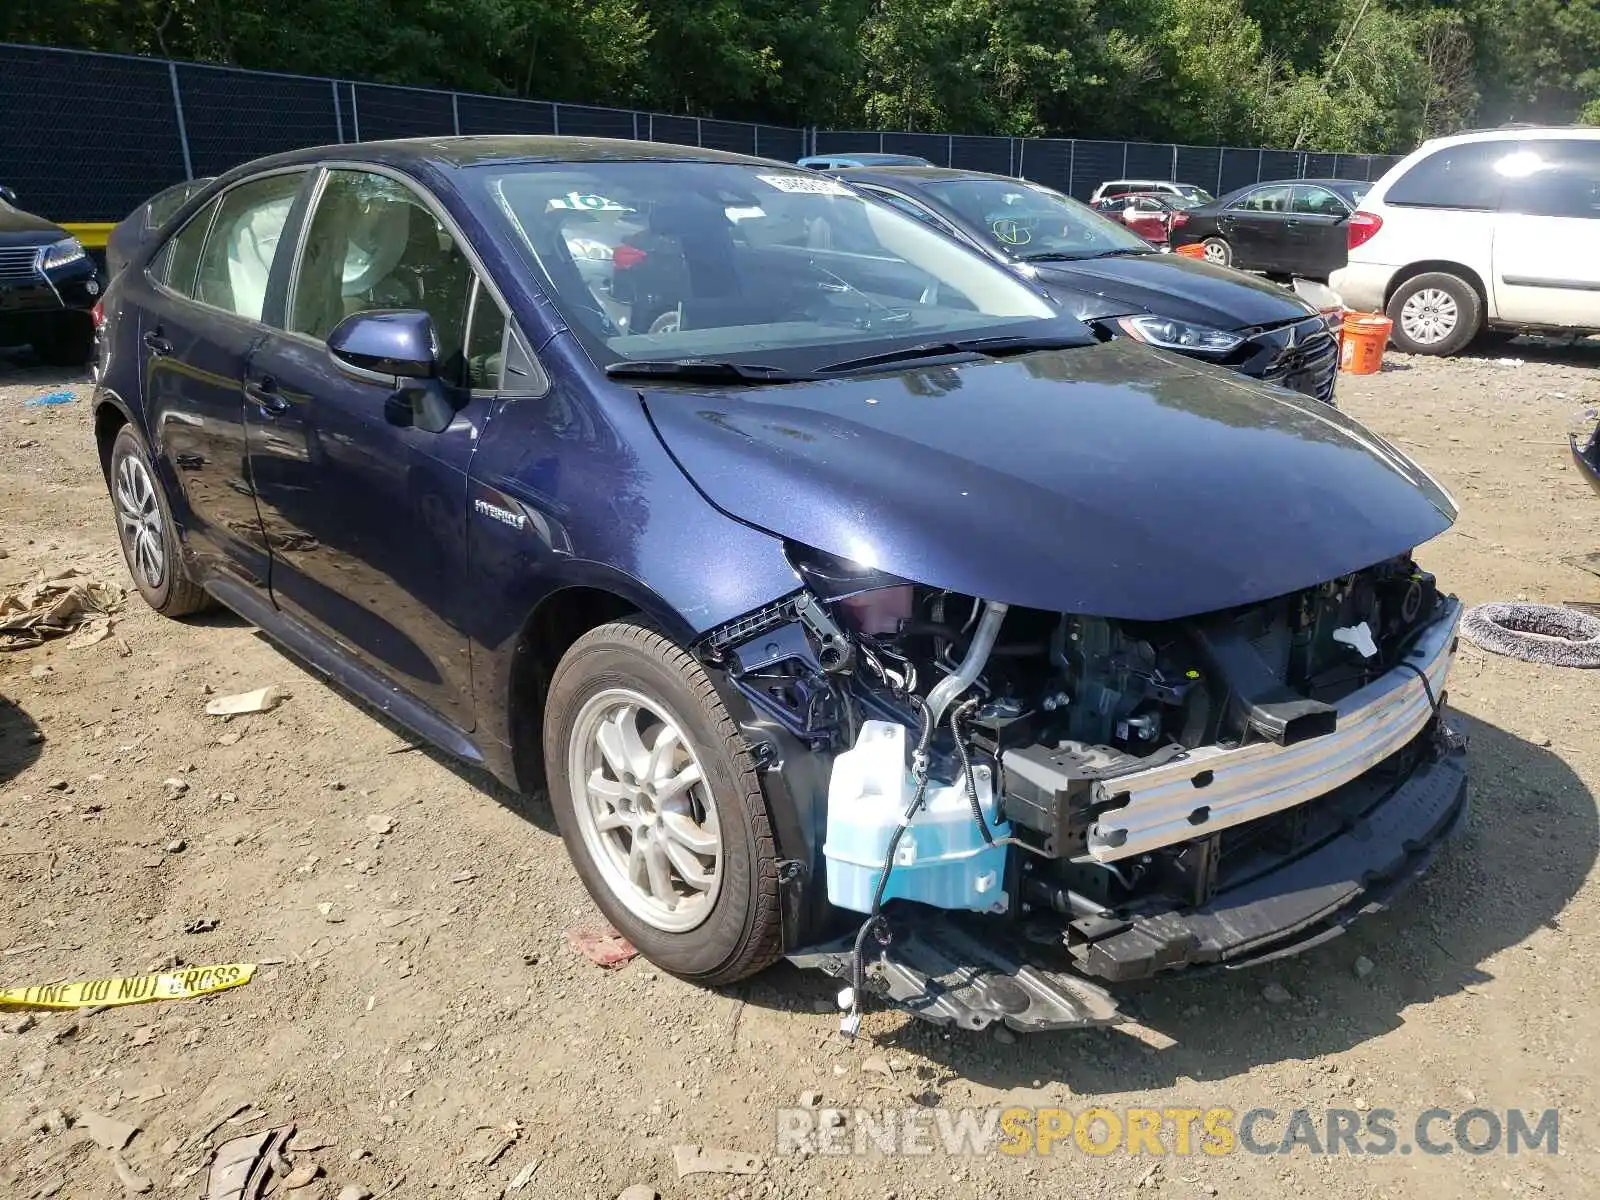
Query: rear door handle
x=264 y=392
x=156 y=344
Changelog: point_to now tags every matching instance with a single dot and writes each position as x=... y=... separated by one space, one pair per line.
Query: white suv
x=1186 y=192
x=1481 y=234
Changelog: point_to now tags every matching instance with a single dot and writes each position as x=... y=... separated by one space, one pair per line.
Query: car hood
x=18 y=228
x=1171 y=285
x=1111 y=479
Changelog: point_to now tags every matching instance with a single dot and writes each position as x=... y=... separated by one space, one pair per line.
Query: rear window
x=1464 y=176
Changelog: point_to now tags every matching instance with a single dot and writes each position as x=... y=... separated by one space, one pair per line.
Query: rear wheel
x=659 y=803
x=1436 y=313
x=1218 y=251
x=144 y=527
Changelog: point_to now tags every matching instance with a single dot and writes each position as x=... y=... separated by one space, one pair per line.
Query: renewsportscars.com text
x=1101 y=1131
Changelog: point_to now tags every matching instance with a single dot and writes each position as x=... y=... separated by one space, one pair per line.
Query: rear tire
x=145 y=530
x=1218 y=252
x=686 y=872
x=1435 y=313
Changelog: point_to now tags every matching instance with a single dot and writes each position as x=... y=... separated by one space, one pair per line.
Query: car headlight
x=1167 y=334
x=60 y=254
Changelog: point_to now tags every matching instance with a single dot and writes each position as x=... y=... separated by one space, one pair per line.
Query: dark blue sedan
x=851 y=601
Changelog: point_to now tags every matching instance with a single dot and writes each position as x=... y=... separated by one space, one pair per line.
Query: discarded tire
x=1537 y=633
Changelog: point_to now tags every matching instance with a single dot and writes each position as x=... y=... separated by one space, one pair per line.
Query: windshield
x=1028 y=221
x=1194 y=195
x=665 y=261
x=1356 y=193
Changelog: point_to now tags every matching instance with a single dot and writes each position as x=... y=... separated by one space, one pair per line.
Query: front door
x=1546 y=257
x=200 y=309
x=366 y=512
x=1315 y=237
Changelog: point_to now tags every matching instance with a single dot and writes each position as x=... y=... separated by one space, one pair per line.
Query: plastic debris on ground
x=50 y=399
x=605 y=947
x=56 y=604
x=261 y=700
x=185 y=983
x=702 y=1160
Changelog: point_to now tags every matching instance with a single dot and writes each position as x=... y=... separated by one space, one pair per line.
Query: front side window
x=373 y=244
x=1556 y=178
x=1466 y=176
x=236 y=264
x=672 y=260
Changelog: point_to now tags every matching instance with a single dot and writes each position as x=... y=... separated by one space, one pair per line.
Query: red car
x=1149 y=214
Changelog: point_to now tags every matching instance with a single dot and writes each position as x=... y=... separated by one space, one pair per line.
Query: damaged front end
x=1003 y=809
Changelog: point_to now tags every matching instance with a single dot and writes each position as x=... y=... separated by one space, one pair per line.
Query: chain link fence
x=88 y=137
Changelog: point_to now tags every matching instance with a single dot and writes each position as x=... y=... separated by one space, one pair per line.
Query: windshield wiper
x=993 y=347
x=701 y=370
x=1065 y=256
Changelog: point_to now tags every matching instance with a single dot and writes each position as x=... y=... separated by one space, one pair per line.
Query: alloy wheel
x=1430 y=316
x=644 y=811
x=1216 y=253
x=139 y=515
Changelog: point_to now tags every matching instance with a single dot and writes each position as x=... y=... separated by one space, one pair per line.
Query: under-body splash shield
x=1212 y=788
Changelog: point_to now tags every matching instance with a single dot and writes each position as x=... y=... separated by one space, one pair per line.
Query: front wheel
x=659 y=803
x=1436 y=313
x=1218 y=251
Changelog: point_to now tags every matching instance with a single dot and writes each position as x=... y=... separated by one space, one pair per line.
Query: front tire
x=145 y=530
x=1218 y=252
x=1436 y=313
x=659 y=803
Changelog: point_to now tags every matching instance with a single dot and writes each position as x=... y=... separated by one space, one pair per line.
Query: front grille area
x=1311 y=365
x=19 y=262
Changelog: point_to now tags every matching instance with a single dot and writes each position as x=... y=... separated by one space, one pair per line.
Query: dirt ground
x=417 y=996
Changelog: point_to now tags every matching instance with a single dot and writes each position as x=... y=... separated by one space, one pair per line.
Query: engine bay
x=1026 y=764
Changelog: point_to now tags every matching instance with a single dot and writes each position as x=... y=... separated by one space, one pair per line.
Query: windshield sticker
x=816 y=185
x=587 y=202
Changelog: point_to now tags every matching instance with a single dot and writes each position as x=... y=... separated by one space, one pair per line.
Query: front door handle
x=265 y=393
x=156 y=344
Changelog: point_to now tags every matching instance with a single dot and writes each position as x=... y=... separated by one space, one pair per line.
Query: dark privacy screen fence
x=89 y=137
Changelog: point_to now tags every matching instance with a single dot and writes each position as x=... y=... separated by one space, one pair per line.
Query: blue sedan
x=841 y=590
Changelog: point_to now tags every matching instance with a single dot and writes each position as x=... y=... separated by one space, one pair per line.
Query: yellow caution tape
x=183 y=984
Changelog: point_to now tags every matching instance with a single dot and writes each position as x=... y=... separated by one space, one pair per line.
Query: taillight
x=1179 y=219
x=625 y=257
x=1361 y=227
x=97 y=314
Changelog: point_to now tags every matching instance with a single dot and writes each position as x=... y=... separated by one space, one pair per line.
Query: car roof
x=481 y=149
x=1517 y=133
x=892 y=173
x=870 y=159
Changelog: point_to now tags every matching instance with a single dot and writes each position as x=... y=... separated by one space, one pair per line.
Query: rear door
x=365 y=512
x=1254 y=226
x=200 y=313
x=1314 y=237
x=1547 y=236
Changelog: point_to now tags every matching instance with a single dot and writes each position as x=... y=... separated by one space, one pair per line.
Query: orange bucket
x=1361 y=347
x=1196 y=250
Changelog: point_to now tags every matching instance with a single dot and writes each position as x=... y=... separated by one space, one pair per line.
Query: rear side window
x=236 y=265
x=1465 y=176
x=1267 y=199
x=1554 y=179
x=179 y=259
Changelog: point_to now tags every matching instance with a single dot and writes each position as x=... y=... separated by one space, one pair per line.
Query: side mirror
x=7 y=195
x=386 y=346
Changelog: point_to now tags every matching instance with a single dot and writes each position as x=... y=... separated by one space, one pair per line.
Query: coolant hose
x=959 y=680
